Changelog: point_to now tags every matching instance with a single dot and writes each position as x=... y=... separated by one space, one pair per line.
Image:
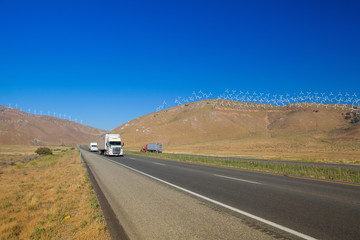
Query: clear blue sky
x=108 y=62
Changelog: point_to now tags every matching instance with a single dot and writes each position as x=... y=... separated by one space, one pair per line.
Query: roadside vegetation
x=44 y=151
x=320 y=172
x=48 y=197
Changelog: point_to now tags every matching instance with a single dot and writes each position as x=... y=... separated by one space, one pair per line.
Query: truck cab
x=115 y=147
x=111 y=145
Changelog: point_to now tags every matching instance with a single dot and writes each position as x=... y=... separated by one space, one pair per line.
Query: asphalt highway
x=136 y=206
x=300 y=208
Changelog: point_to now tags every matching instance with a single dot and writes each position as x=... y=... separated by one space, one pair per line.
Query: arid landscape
x=180 y=120
x=312 y=134
x=18 y=127
x=309 y=134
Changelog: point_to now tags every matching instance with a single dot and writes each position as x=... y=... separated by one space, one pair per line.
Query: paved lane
x=318 y=209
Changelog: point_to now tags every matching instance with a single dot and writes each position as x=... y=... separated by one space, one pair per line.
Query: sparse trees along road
x=238 y=204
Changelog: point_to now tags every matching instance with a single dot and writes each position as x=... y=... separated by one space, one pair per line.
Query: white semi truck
x=111 y=145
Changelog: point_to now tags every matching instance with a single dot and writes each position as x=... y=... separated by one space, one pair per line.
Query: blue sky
x=108 y=62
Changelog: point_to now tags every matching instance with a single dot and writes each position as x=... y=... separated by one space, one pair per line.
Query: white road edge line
x=238 y=179
x=278 y=226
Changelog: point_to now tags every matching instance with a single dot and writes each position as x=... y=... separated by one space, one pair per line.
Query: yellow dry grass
x=49 y=198
x=19 y=150
x=341 y=153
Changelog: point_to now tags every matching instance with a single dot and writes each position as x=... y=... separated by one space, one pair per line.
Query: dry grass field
x=21 y=150
x=48 y=198
x=344 y=152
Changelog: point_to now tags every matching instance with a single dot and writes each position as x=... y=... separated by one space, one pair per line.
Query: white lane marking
x=132 y=158
x=159 y=163
x=238 y=179
x=278 y=226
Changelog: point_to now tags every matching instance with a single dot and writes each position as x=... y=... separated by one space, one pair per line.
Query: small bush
x=43 y=151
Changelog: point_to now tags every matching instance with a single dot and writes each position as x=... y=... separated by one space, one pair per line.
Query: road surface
x=257 y=204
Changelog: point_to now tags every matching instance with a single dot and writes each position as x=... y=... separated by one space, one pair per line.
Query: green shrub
x=43 y=151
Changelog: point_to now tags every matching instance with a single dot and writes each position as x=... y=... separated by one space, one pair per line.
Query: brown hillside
x=202 y=129
x=17 y=127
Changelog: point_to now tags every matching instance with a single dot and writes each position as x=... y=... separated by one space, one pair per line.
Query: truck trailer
x=153 y=147
x=111 y=145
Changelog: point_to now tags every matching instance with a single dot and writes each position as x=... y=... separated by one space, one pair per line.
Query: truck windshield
x=115 y=143
x=93 y=145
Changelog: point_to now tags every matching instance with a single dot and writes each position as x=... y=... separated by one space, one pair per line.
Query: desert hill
x=18 y=127
x=201 y=128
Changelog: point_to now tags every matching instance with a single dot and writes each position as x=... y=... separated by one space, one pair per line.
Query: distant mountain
x=199 y=127
x=18 y=127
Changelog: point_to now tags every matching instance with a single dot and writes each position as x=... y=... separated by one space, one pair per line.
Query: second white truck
x=93 y=147
x=111 y=145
